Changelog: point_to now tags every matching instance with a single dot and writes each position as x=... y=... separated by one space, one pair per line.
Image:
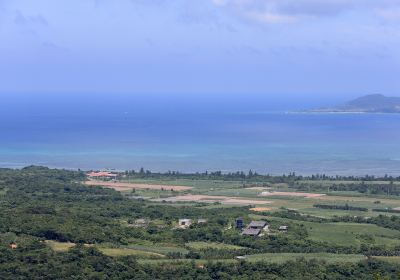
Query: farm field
x=121 y=252
x=119 y=186
x=213 y=199
x=212 y=245
x=346 y=234
x=295 y=194
x=227 y=193
x=277 y=258
x=284 y=257
x=155 y=254
x=337 y=182
x=159 y=248
x=140 y=251
x=59 y=246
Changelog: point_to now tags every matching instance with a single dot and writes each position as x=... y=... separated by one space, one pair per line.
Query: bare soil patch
x=118 y=186
x=212 y=199
x=297 y=194
x=260 y=209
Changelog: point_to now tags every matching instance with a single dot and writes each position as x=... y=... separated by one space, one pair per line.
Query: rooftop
x=257 y=224
x=251 y=231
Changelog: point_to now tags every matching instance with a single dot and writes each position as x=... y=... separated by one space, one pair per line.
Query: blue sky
x=320 y=48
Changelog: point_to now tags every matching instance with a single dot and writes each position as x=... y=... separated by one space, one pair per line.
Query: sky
x=303 y=48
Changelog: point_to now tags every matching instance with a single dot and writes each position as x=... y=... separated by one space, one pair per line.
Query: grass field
x=120 y=252
x=156 y=253
x=284 y=257
x=158 y=248
x=180 y=261
x=305 y=205
x=59 y=246
x=395 y=260
x=347 y=234
x=117 y=252
x=212 y=245
x=195 y=184
x=271 y=258
x=326 y=182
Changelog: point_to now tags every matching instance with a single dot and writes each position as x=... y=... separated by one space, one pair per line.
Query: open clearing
x=59 y=246
x=214 y=199
x=121 y=252
x=297 y=194
x=111 y=252
x=213 y=245
x=271 y=258
x=284 y=257
x=258 y=188
x=394 y=259
x=346 y=234
x=260 y=209
x=129 y=186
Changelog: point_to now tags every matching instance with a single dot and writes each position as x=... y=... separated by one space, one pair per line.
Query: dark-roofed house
x=251 y=231
x=257 y=225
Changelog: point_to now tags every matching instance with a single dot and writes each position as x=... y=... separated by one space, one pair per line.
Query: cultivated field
x=260 y=209
x=296 y=194
x=284 y=257
x=112 y=252
x=214 y=199
x=212 y=245
x=118 y=186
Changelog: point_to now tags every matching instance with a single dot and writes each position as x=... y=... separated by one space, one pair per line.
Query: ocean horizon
x=188 y=138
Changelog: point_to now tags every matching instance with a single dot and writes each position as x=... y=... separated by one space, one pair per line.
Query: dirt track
x=129 y=186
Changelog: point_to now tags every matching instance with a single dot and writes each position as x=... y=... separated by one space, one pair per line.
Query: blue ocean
x=161 y=134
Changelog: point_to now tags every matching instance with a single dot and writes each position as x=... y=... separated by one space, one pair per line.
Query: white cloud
x=283 y=11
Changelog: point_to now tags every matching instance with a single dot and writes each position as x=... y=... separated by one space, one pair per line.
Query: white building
x=184 y=223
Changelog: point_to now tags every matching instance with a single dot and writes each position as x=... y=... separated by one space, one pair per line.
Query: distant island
x=374 y=103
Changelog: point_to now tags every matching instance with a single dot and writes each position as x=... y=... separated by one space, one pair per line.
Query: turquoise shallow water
x=193 y=139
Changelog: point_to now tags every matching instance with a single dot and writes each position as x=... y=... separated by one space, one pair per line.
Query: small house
x=257 y=225
x=184 y=223
x=283 y=228
x=13 y=246
x=251 y=232
x=202 y=221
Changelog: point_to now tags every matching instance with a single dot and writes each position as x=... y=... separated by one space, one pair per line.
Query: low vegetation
x=52 y=224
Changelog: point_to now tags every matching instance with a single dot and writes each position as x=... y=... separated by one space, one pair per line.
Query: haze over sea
x=171 y=133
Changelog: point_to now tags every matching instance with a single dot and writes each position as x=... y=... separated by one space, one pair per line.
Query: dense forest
x=38 y=205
